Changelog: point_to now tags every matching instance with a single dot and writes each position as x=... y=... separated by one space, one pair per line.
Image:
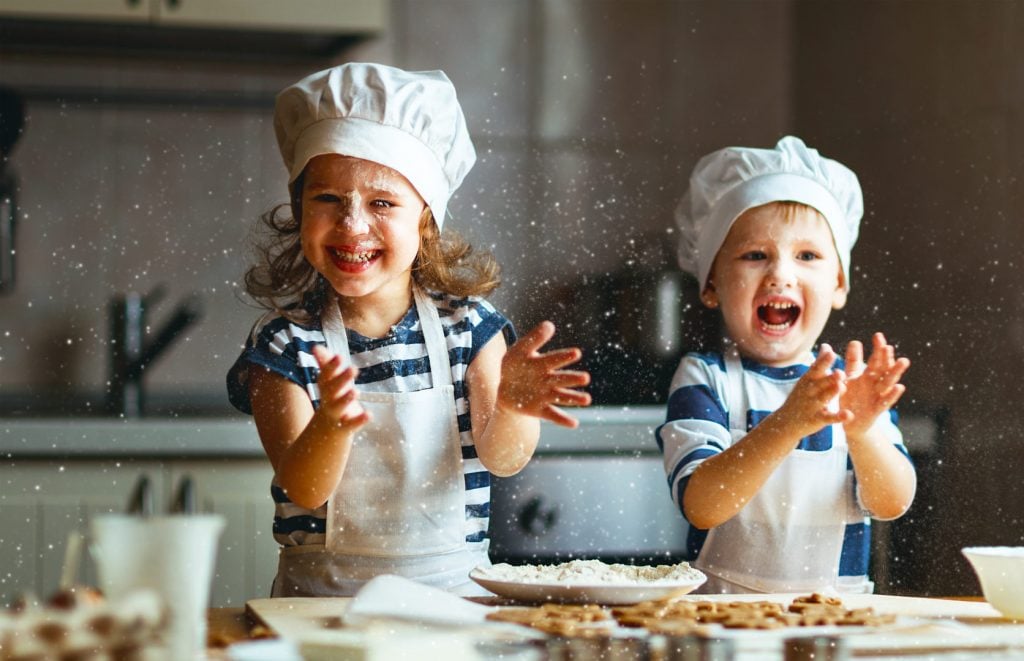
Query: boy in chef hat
x=381 y=382
x=778 y=455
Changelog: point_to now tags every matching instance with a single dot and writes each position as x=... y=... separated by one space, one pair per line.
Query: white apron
x=789 y=537
x=400 y=507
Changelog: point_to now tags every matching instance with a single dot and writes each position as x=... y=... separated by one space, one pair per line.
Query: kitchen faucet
x=131 y=354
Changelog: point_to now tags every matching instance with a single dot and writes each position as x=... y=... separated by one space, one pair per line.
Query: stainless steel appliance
x=598 y=491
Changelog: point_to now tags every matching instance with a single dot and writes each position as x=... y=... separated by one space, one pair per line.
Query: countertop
x=112 y=437
x=603 y=429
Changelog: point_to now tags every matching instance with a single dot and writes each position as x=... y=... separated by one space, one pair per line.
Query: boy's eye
x=808 y=256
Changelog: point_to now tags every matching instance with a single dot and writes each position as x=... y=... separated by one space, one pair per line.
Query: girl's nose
x=352 y=216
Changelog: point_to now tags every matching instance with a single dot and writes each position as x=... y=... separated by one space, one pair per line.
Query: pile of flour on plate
x=593 y=572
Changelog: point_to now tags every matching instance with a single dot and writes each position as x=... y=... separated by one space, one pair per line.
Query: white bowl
x=1000 y=571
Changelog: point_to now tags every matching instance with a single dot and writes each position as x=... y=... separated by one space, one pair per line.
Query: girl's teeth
x=354 y=257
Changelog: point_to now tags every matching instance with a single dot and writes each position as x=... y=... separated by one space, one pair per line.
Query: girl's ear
x=709 y=297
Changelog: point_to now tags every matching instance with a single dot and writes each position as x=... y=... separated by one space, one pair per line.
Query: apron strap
x=737 y=399
x=433 y=335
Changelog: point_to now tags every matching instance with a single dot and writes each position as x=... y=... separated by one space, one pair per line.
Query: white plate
x=608 y=594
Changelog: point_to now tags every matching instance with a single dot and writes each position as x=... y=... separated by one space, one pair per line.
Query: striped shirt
x=697 y=427
x=397 y=362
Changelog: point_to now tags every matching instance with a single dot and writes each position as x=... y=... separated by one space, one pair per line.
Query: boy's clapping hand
x=808 y=407
x=872 y=388
x=535 y=384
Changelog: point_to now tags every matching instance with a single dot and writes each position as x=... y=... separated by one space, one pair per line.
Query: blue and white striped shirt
x=397 y=362
x=697 y=427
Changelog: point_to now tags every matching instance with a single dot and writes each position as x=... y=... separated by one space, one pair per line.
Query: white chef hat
x=409 y=121
x=730 y=181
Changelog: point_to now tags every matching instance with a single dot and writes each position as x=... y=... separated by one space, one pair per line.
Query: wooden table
x=229 y=625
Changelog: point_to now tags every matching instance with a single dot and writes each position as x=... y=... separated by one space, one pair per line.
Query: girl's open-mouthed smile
x=353 y=260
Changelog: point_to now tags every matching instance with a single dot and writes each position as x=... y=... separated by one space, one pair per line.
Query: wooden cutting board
x=295 y=616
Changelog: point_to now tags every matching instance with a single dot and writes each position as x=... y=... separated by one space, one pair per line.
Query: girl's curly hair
x=283 y=281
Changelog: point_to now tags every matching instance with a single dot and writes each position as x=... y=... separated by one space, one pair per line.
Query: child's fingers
x=331 y=386
x=569 y=379
x=569 y=397
x=823 y=363
x=559 y=417
x=892 y=375
x=538 y=336
x=894 y=394
x=558 y=358
x=854 y=358
x=836 y=417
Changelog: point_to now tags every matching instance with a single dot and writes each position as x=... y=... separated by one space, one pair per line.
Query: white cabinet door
x=306 y=15
x=276 y=15
x=239 y=489
x=80 y=10
x=41 y=502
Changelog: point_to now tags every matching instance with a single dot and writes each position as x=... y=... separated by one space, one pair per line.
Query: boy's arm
x=512 y=388
x=723 y=484
x=886 y=478
x=308 y=449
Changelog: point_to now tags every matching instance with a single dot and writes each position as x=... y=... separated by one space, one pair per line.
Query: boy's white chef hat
x=729 y=181
x=409 y=121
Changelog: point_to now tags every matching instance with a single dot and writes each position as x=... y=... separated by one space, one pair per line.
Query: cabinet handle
x=141 y=500
x=185 y=499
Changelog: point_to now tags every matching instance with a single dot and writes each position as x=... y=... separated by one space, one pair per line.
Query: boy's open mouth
x=778 y=315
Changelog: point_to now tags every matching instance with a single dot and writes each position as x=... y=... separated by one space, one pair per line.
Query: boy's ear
x=839 y=295
x=709 y=297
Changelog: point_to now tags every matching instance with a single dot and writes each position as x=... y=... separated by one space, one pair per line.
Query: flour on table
x=593 y=572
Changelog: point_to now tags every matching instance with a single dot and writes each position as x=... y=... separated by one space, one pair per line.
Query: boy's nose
x=781 y=273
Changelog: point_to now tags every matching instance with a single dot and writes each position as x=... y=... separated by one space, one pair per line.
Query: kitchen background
x=148 y=155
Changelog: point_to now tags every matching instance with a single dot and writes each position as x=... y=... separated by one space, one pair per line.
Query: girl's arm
x=308 y=449
x=723 y=484
x=886 y=478
x=511 y=388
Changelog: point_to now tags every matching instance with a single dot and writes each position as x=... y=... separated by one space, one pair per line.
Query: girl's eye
x=753 y=255
x=326 y=197
x=383 y=204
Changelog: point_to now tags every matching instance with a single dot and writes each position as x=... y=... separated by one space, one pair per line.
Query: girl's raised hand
x=808 y=407
x=535 y=384
x=873 y=387
x=338 y=397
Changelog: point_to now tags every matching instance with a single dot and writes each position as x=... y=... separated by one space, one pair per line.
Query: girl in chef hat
x=385 y=390
x=778 y=455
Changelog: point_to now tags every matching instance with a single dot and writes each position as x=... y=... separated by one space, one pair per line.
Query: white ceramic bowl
x=1000 y=571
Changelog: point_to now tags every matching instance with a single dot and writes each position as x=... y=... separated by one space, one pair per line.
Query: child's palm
x=535 y=384
x=873 y=387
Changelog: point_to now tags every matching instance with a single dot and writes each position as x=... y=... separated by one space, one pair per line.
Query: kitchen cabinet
x=42 y=501
x=302 y=15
